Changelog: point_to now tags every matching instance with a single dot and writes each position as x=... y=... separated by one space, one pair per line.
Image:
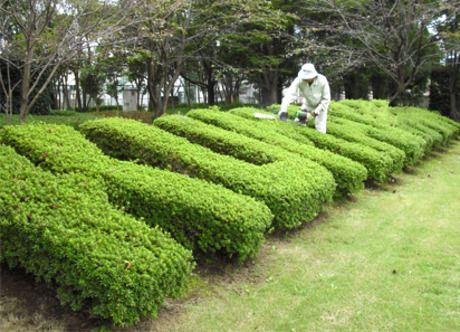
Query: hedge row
x=364 y=112
x=413 y=130
x=446 y=127
x=385 y=116
x=294 y=190
x=382 y=129
x=432 y=138
x=200 y=215
x=378 y=164
x=64 y=231
x=433 y=128
x=352 y=132
x=358 y=133
x=348 y=175
x=367 y=106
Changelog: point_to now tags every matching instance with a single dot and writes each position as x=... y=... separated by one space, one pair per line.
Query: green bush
x=383 y=108
x=432 y=138
x=386 y=118
x=222 y=141
x=348 y=175
x=411 y=115
x=381 y=129
x=365 y=112
x=378 y=164
x=356 y=132
x=375 y=122
x=64 y=232
x=294 y=192
x=199 y=215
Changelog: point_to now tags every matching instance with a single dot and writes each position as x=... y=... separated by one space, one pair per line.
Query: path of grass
x=387 y=261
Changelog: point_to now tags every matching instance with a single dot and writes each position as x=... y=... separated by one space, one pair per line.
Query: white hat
x=307 y=72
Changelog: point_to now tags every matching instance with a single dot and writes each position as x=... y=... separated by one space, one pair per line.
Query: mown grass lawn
x=388 y=260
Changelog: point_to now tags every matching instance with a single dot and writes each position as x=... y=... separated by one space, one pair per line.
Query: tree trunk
x=453 y=77
x=58 y=99
x=7 y=88
x=152 y=86
x=211 y=84
x=139 y=91
x=25 y=86
x=65 y=94
x=56 y=96
x=211 y=92
x=269 y=95
x=167 y=86
x=142 y=92
x=85 y=101
x=397 y=95
x=379 y=85
x=78 y=91
x=356 y=85
x=269 y=88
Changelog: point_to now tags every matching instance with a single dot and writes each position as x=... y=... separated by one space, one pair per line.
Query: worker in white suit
x=315 y=89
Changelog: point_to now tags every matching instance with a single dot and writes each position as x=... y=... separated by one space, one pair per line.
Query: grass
x=387 y=260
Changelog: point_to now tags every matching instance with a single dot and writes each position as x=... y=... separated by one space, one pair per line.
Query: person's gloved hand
x=283 y=115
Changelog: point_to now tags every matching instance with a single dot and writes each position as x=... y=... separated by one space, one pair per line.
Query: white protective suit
x=317 y=98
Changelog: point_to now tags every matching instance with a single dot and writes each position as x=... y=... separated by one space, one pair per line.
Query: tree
x=171 y=32
x=39 y=36
x=392 y=36
x=270 y=51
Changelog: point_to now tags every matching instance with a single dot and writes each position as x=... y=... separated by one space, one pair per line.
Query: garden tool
x=264 y=116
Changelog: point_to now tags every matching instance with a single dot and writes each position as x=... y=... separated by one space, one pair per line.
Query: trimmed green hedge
x=432 y=138
x=383 y=129
x=64 y=231
x=414 y=116
x=348 y=175
x=364 y=112
x=375 y=122
x=368 y=107
x=222 y=141
x=200 y=215
x=378 y=164
x=386 y=118
x=352 y=133
x=294 y=190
